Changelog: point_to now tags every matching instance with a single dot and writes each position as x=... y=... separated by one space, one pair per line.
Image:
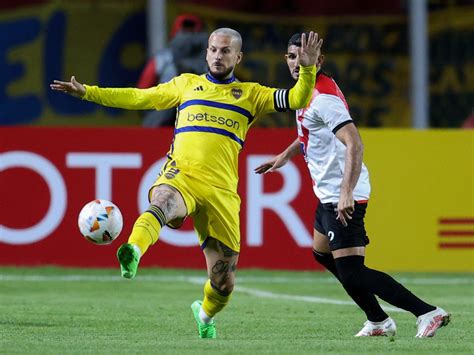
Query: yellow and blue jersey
x=213 y=117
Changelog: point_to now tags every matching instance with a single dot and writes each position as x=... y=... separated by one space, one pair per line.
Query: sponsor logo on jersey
x=237 y=93
x=199 y=88
x=171 y=173
x=220 y=120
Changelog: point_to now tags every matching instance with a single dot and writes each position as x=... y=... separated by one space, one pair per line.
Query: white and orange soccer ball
x=100 y=222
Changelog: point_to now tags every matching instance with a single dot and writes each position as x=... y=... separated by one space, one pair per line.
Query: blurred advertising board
x=104 y=43
x=420 y=216
x=100 y=42
x=368 y=55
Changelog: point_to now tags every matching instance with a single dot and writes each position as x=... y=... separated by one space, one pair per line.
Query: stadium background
x=422 y=210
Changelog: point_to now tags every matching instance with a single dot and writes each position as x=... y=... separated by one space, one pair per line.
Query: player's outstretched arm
x=159 y=97
x=280 y=160
x=72 y=87
x=300 y=95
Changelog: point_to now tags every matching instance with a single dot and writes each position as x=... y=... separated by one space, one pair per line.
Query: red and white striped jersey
x=324 y=153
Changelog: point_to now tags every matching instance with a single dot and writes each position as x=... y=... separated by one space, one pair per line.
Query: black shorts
x=354 y=235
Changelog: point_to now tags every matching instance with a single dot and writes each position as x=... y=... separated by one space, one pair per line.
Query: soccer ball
x=100 y=222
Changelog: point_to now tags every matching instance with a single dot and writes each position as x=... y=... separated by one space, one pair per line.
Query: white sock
x=137 y=249
x=204 y=317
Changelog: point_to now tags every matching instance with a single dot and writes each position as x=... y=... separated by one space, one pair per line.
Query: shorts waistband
x=332 y=205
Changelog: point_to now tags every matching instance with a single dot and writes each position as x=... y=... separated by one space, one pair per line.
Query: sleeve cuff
x=340 y=125
x=86 y=95
x=308 y=69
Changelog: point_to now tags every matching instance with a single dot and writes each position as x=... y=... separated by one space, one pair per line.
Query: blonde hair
x=225 y=31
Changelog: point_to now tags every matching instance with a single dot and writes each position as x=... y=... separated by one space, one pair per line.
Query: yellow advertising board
x=421 y=212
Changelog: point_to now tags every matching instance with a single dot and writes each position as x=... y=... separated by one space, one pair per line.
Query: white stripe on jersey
x=324 y=153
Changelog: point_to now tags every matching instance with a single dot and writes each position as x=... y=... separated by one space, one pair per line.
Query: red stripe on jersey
x=300 y=117
x=305 y=137
x=327 y=85
x=324 y=85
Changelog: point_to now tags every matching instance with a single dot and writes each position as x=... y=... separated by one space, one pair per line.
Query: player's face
x=293 y=61
x=223 y=54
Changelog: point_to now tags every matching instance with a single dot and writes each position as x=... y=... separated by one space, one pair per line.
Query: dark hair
x=295 y=40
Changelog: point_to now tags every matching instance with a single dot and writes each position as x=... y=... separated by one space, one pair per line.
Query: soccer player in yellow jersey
x=214 y=113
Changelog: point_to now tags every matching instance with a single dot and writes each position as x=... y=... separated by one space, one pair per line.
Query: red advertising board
x=48 y=174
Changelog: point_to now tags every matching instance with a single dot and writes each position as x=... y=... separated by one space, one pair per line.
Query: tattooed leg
x=170 y=201
x=221 y=265
x=167 y=204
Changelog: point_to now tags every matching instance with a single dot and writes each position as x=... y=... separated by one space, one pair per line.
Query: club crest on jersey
x=236 y=93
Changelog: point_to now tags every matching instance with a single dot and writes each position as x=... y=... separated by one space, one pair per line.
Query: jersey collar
x=217 y=81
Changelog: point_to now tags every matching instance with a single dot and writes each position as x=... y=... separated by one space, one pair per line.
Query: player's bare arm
x=349 y=136
x=72 y=87
x=279 y=160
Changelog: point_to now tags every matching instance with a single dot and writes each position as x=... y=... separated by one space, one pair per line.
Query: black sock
x=326 y=260
x=353 y=273
x=365 y=300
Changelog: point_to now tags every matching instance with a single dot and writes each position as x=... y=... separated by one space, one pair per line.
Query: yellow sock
x=213 y=301
x=146 y=229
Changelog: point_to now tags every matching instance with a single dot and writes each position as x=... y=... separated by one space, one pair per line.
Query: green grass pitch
x=56 y=310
